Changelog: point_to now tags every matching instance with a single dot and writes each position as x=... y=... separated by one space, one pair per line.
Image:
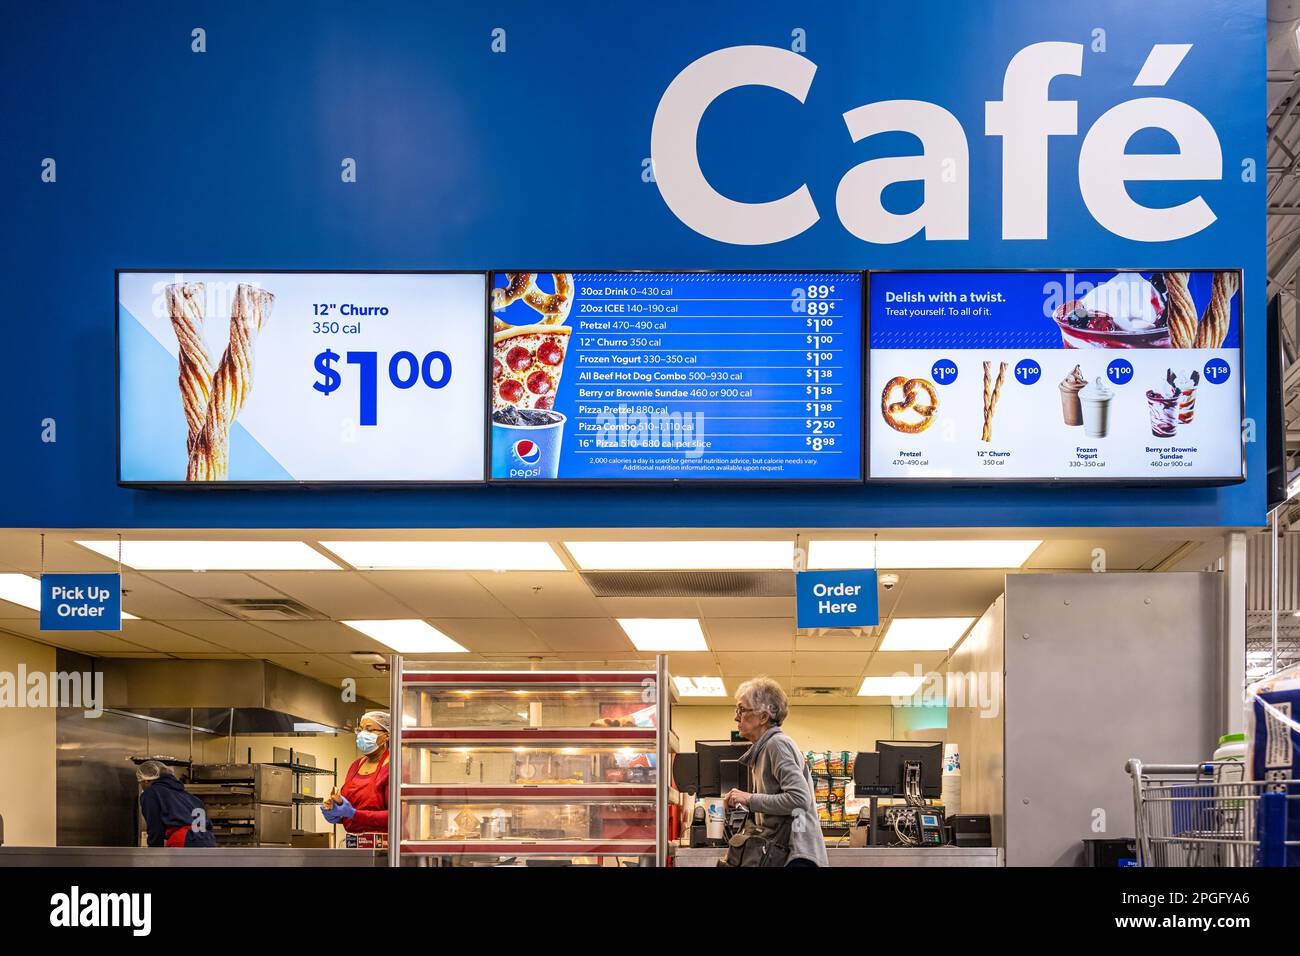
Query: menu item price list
x=723 y=376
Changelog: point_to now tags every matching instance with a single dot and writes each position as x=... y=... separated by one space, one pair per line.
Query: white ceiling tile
x=693 y=664
x=885 y=663
x=750 y=633
x=85 y=642
x=438 y=593
x=338 y=595
x=948 y=593
x=214 y=584
x=542 y=593
x=241 y=637
x=771 y=607
x=746 y=665
x=840 y=639
x=830 y=662
x=599 y=635
x=650 y=607
x=325 y=636
x=159 y=637
x=144 y=597
x=496 y=635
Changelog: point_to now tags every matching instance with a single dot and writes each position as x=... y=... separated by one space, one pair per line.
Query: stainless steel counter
x=94 y=856
x=869 y=856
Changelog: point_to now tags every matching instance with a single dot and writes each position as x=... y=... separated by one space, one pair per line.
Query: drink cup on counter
x=1094 y=402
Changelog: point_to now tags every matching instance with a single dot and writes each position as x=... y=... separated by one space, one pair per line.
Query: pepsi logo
x=527 y=451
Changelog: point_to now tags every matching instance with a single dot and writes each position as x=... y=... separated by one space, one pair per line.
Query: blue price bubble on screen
x=1120 y=371
x=1028 y=372
x=1217 y=371
x=944 y=372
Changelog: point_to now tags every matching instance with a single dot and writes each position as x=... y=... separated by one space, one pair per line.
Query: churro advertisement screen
x=638 y=376
x=1107 y=375
x=230 y=377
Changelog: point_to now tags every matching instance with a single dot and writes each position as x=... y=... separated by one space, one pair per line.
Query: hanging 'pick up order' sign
x=81 y=602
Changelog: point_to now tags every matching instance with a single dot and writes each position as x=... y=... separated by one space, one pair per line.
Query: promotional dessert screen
x=677 y=376
x=1056 y=375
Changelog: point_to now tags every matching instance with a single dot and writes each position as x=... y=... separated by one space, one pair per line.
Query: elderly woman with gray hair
x=782 y=803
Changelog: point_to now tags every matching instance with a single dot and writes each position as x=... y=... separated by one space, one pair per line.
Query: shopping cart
x=1183 y=817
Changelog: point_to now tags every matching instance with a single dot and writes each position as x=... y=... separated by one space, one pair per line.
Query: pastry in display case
x=513 y=762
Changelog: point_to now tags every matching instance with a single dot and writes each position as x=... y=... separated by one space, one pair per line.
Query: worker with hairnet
x=361 y=805
x=172 y=815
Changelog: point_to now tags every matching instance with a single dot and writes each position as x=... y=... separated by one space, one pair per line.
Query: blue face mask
x=367 y=741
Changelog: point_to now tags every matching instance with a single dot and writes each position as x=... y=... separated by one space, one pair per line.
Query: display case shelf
x=520 y=761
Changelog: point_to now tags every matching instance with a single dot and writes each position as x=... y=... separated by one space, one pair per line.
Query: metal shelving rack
x=625 y=812
x=299 y=771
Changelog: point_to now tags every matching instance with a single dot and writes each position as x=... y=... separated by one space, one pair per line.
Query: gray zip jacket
x=783 y=788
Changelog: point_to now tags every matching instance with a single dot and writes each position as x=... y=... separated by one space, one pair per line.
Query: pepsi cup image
x=526 y=442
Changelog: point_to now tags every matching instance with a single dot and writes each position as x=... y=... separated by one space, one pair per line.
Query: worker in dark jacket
x=172 y=816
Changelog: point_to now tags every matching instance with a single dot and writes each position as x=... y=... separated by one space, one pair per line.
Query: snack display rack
x=513 y=764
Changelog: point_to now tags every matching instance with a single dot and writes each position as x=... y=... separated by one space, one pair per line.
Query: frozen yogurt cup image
x=1071 y=410
x=1125 y=312
x=1095 y=402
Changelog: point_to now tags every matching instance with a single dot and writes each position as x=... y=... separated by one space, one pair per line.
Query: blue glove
x=340 y=811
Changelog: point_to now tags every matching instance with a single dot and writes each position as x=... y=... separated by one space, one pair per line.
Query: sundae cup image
x=1164 y=413
x=1094 y=402
x=1125 y=312
x=1184 y=387
x=526 y=442
x=1071 y=410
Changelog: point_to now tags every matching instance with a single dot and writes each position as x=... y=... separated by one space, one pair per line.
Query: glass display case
x=532 y=764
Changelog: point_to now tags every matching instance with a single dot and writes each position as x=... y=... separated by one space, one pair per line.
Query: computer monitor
x=895 y=754
x=711 y=754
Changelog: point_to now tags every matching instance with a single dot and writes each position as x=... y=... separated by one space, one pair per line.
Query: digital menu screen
x=1109 y=375
x=668 y=376
x=228 y=377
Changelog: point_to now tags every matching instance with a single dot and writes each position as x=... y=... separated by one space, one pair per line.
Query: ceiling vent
x=808 y=690
x=267 y=609
x=611 y=584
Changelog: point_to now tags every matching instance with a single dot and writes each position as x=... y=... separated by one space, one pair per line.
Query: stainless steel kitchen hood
x=265 y=698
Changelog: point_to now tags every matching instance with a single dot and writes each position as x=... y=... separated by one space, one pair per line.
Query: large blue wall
x=474 y=159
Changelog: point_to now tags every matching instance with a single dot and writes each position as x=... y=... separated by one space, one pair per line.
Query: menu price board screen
x=629 y=376
x=228 y=377
x=1111 y=375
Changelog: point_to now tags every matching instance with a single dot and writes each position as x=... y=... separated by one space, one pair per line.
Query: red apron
x=176 y=836
x=368 y=793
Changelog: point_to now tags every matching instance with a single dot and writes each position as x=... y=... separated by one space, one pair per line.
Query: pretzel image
x=1180 y=311
x=185 y=303
x=523 y=285
x=991 y=398
x=231 y=383
x=910 y=386
x=1213 y=327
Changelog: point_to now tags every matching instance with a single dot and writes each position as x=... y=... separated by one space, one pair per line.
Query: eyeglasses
x=742 y=711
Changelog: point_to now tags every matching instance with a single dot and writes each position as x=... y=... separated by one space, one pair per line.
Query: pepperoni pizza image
x=528 y=359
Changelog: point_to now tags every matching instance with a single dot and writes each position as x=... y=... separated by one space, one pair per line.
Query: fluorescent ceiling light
x=920 y=554
x=924 y=633
x=447 y=555
x=699 y=686
x=215 y=555
x=664 y=633
x=408 y=636
x=898 y=685
x=25 y=590
x=682 y=555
